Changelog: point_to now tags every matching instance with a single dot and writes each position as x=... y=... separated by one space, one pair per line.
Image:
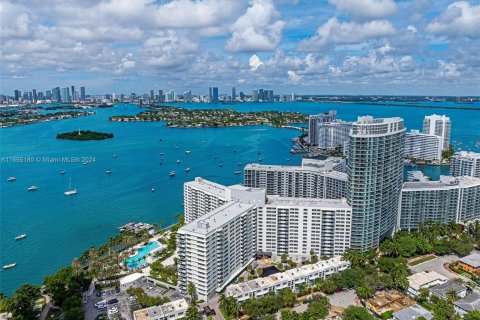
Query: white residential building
x=288 y=279
x=439 y=126
x=202 y=196
x=295 y=226
x=215 y=247
x=332 y=135
x=313 y=179
x=465 y=163
x=315 y=120
x=424 y=279
x=452 y=199
x=172 y=310
x=423 y=146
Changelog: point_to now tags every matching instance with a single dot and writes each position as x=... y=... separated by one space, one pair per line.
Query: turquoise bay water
x=137 y=260
x=60 y=228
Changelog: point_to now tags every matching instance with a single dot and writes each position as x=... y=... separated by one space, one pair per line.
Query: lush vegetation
x=433 y=237
x=65 y=288
x=212 y=118
x=144 y=299
x=84 y=135
x=448 y=153
x=164 y=273
x=357 y=313
x=317 y=309
x=22 y=302
x=22 y=119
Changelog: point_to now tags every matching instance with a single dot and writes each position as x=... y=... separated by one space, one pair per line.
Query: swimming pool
x=139 y=260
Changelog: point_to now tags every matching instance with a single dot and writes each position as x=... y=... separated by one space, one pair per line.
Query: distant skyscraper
x=260 y=95
x=242 y=96
x=152 y=95
x=170 y=96
x=48 y=94
x=255 y=95
x=18 y=94
x=375 y=175
x=210 y=96
x=160 y=95
x=234 y=94
x=82 y=93
x=72 y=98
x=133 y=96
x=56 y=94
x=65 y=95
x=187 y=96
x=270 y=95
x=439 y=126
x=215 y=94
x=34 y=94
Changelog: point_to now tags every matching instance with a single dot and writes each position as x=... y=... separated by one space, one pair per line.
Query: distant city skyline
x=384 y=47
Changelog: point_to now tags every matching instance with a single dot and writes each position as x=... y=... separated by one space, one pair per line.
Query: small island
x=214 y=118
x=84 y=135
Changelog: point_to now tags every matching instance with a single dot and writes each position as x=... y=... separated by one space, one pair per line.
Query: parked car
x=112 y=310
x=112 y=301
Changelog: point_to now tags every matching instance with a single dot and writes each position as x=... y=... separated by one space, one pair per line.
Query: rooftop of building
x=325 y=167
x=207 y=186
x=369 y=120
x=308 y=202
x=470 y=302
x=131 y=278
x=412 y=313
x=217 y=217
x=472 y=260
x=274 y=279
x=443 y=289
x=468 y=155
x=384 y=301
x=445 y=182
x=160 y=311
x=424 y=278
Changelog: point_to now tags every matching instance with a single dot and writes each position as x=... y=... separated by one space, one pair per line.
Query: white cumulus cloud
x=336 y=32
x=259 y=29
x=365 y=9
x=459 y=19
x=255 y=62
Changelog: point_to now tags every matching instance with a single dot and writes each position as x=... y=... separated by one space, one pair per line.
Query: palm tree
x=76 y=267
x=365 y=292
x=191 y=292
x=452 y=295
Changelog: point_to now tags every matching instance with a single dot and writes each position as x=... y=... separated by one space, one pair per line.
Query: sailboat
x=32 y=188
x=70 y=191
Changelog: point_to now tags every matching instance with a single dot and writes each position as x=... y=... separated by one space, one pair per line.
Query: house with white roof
x=424 y=279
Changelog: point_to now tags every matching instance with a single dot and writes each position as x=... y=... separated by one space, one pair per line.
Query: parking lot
x=437 y=265
x=121 y=302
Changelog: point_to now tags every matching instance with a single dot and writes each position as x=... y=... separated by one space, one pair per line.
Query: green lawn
x=422 y=260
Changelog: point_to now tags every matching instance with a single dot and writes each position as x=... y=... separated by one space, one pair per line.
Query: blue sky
x=419 y=47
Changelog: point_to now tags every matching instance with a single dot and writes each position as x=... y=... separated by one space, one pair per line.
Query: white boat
x=161 y=153
x=32 y=188
x=20 y=237
x=11 y=179
x=178 y=161
x=153 y=189
x=237 y=172
x=108 y=171
x=8 y=266
x=62 y=172
x=70 y=191
x=172 y=174
x=176 y=147
x=220 y=164
x=114 y=156
x=260 y=159
x=187 y=169
x=188 y=152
